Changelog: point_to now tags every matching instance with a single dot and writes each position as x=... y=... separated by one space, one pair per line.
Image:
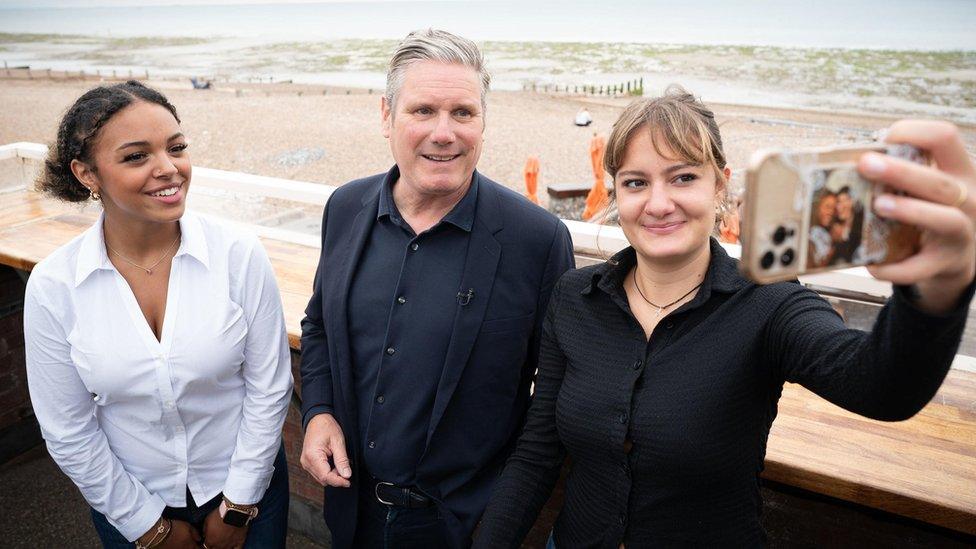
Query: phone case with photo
x=807 y=211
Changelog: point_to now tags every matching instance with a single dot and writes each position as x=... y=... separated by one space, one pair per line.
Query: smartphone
x=807 y=211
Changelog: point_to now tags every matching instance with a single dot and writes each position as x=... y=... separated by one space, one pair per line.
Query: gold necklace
x=661 y=308
x=158 y=261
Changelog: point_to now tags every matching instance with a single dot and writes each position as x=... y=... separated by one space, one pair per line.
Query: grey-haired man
x=421 y=337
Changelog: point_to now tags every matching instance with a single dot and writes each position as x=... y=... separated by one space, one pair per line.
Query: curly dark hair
x=78 y=129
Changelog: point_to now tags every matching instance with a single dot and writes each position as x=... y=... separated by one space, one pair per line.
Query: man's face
x=435 y=128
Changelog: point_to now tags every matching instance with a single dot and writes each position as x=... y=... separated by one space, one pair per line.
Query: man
x=420 y=339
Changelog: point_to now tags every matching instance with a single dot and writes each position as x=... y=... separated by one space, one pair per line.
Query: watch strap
x=237 y=515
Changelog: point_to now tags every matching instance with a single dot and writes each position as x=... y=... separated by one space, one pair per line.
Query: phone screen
x=844 y=230
x=837 y=214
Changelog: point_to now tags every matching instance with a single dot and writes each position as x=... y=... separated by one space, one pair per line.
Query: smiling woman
x=141 y=410
x=660 y=371
x=139 y=168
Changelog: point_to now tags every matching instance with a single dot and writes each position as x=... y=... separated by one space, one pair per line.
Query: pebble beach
x=332 y=135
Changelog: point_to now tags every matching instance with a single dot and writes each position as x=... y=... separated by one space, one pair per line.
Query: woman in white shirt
x=157 y=357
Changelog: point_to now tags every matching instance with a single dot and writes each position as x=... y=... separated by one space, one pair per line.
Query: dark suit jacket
x=516 y=253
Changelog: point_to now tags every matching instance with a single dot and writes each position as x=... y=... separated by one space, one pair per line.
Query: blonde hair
x=685 y=125
x=677 y=120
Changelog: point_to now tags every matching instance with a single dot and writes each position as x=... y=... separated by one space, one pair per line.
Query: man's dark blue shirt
x=402 y=304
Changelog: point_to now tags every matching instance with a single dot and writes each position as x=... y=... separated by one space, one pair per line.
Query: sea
x=892 y=56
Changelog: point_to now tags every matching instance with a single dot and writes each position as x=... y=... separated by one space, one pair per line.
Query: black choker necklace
x=661 y=308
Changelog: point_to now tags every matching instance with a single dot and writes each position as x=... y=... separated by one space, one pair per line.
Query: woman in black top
x=660 y=370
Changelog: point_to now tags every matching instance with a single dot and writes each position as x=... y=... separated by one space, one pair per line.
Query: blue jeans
x=382 y=526
x=268 y=530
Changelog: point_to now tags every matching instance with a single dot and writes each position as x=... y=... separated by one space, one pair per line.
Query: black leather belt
x=388 y=493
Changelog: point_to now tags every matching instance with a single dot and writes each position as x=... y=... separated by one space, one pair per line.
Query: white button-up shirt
x=135 y=421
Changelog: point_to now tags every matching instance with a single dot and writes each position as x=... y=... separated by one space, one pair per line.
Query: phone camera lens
x=788 y=256
x=767 y=260
x=779 y=235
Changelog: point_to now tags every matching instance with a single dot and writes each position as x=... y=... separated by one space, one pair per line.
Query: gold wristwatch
x=237 y=515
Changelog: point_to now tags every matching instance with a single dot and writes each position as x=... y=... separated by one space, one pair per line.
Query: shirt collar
x=92 y=255
x=722 y=276
x=194 y=239
x=461 y=216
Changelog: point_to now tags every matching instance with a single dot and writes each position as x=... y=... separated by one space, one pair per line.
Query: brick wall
x=18 y=429
x=302 y=484
x=305 y=512
x=14 y=401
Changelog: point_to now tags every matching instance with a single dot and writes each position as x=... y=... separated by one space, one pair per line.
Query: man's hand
x=218 y=535
x=324 y=442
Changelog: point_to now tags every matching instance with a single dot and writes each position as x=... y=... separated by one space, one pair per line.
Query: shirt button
x=669 y=325
x=401 y=300
x=372 y=444
x=380 y=399
x=638 y=364
x=97 y=398
x=179 y=428
x=390 y=350
x=622 y=518
x=169 y=403
x=623 y=418
x=414 y=246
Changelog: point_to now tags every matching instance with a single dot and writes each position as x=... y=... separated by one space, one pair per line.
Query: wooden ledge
x=922 y=468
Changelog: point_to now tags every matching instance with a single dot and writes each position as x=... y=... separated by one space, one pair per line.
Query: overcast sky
x=94 y=3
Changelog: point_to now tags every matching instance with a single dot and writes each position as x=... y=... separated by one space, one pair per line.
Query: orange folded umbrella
x=729 y=228
x=532 y=179
x=598 y=198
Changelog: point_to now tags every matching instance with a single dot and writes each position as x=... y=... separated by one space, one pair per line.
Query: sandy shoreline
x=332 y=135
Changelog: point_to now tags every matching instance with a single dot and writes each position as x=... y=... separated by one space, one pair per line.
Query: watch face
x=236 y=518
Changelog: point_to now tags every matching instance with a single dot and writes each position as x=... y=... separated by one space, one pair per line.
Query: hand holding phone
x=941 y=201
x=935 y=200
x=810 y=210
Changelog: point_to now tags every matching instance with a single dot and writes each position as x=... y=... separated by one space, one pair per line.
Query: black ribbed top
x=696 y=401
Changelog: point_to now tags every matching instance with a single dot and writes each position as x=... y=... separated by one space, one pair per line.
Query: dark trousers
x=267 y=531
x=381 y=526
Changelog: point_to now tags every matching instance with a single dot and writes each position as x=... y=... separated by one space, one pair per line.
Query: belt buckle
x=376 y=492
